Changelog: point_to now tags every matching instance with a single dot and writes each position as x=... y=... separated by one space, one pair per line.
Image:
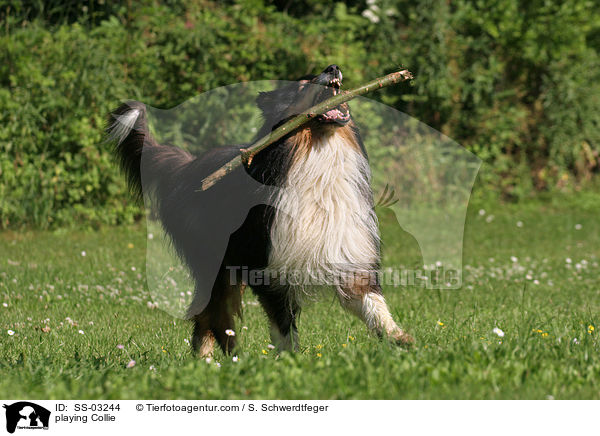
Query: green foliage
x=515 y=82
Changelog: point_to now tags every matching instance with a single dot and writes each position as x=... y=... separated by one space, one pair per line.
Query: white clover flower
x=83 y=253
x=576 y=341
x=568 y=260
x=514 y=259
x=481 y=212
x=498 y=332
x=235 y=358
x=131 y=364
x=150 y=236
x=81 y=332
x=519 y=223
x=271 y=347
x=578 y=226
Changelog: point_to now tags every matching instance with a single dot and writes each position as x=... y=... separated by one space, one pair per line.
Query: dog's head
x=295 y=98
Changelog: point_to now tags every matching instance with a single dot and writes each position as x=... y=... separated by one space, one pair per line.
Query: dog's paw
x=402 y=339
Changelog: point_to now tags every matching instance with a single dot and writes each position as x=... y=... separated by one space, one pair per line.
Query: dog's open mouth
x=340 y=114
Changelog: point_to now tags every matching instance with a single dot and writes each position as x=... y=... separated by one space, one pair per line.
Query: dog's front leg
x=367 y=302
x=283 y=312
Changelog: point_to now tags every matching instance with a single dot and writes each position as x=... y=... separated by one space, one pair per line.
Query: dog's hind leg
x=226 y=302
x=365 y=300
x=283 y=313
x=216 y=320
x=203 y=340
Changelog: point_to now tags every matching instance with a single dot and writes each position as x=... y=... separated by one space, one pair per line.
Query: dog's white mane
x=325 y=225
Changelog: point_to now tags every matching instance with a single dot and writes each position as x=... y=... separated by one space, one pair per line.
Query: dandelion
x=131 y=364
x=590 y=329
x=319 y=355
x=351 y=338
x=440 y=323
x=318 y=347
x=130 y=245
x=235 y=359
x=344 y=345
x=498 y=332
x=229 y=332
x=83 y=254
x=10 y=332
x=81 y=332
x=544 y=335
x=120 y=346
x=265 y=351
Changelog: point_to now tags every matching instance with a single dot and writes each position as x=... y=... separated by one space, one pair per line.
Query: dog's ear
x=265 y=100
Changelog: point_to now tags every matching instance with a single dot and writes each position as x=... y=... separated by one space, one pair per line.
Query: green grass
x=48 y=285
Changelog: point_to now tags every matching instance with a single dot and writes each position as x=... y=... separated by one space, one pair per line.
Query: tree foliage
x=517 y=82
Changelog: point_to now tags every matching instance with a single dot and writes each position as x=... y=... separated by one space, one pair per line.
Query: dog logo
x=26 y=415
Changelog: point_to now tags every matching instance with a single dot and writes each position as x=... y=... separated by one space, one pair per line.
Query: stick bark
x=247 y=154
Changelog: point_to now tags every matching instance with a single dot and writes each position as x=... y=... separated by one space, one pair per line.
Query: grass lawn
x=531 y=271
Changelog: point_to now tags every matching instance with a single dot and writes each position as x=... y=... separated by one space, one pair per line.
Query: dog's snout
x=334 y=70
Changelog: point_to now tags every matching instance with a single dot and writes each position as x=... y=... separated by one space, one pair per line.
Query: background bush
x=516 y=82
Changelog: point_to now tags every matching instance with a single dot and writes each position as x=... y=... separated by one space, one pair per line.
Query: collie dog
x=318 y=223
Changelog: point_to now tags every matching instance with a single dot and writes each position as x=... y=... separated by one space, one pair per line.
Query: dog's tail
x=135 y=147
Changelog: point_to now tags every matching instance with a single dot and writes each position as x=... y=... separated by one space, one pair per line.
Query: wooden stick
x=247 y=154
